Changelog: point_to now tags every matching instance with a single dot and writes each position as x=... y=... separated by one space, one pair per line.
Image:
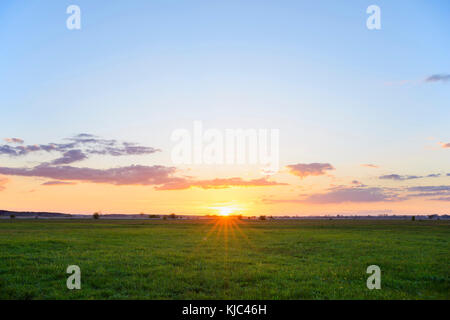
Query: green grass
x=315 y=259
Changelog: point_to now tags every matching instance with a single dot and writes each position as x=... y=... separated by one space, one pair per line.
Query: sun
x=225 y=211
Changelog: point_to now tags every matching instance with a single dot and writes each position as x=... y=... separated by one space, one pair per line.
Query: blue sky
x=137 y=70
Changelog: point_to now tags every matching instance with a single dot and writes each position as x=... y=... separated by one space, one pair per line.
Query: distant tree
x=173 y=216
x=165 y=218
x=413 y=218
x=262 y=217
x=96 y=215
x=240 y=217
x=153 y=216
x=12 y=216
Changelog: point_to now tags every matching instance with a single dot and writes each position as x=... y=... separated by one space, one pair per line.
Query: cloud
x=5 y=149
x=341 y=195
x=159 y=176
x=217 y=183
x=57 y=183
x=398 y=177
x=429 y=188
x=438 y=77
x=429 y=194
x=83 y=143
x=345 y=194
x=369 y=165
x=429 y=191
x=358 y=183
x=3 y=181
x=441 y=199
x=130 y=175
x=70 y=157
x=14 y=140
x=110 y=147
x=445 y=145
x=24 y=150
x=124 y=149
x=303 y=170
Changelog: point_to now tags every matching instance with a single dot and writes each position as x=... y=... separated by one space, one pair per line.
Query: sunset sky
x=363 y=115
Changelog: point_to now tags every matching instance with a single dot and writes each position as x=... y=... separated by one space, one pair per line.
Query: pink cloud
x=159 y=176
x=3 y=181
x=303 y=170
x=217 y=183
x=130 y=175
x=343 y=195
x=14 y=140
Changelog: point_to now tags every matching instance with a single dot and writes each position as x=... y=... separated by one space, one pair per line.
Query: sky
x=88 y=114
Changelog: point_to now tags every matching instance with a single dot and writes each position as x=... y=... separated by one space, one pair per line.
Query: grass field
x=224 y=259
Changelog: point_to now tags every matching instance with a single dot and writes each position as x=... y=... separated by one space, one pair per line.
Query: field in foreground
x=224 y=259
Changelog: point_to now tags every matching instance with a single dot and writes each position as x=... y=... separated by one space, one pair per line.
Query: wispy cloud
x=369 y=165
x=57 y=183
x=3 y=181
x=398 y=177
x=13 y=140
x=79 y=148
x=303 y=170
x=429 y=191
x=429 y=188
x=440 y=77
x=358 y=183
x=218 y=183
x=442 y=199
x=130 y=175
x=445 y=145
x=341 y=195
x=362 y=193
x=433 y=175
x=159 y=176
x=443 y=77
x=345 y=194
x=70 y=157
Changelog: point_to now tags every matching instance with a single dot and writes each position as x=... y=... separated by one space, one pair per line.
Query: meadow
x=224 y=258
